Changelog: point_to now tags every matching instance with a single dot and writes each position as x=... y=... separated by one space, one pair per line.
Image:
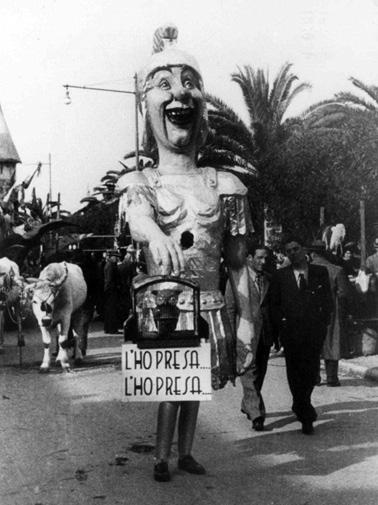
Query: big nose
x=180 y=93
x=46 y=307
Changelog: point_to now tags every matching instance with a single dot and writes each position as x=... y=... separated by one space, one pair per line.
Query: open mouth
x=180 y=116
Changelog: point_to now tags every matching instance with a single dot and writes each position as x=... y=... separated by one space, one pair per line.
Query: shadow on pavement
x=56 y=429
x=338 y=441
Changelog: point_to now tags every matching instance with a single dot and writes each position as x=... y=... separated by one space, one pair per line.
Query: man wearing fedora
x=336 y=338
x=301 y=308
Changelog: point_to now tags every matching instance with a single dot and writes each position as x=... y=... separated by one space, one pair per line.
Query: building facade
x=8 y=158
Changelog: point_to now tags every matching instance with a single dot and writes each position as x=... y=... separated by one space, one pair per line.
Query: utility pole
x=136 y=102
x=322 y=217
x=49 y=163
x=363 y=235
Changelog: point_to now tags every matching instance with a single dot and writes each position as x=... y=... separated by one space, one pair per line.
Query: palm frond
x=224 y=142
x=223 y=108
x=221 y=158
x=372 y=91
x=279 y=84
x=349 y=99
x=222 y=125
x=285 y=102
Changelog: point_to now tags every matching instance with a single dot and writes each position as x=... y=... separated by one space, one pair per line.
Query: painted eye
x=188 y=84
x=164 y=84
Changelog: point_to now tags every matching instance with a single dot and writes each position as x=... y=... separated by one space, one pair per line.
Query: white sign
x=178 y=374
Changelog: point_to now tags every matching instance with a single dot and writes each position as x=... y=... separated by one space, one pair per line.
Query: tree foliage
x=333 y=168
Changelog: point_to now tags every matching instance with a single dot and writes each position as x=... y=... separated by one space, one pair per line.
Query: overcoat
x=333 y=348
x=301 y=318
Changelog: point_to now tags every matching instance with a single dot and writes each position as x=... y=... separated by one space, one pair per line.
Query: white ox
x=10 y=289
x=58 y=295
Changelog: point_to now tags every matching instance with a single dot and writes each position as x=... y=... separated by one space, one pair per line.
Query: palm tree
x=253 y=145
x=345 y=104
x=232 y=141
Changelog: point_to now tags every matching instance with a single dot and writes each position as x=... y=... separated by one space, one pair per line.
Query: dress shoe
x=246 y=413
x=189 y=464
x=258 y=424
x=161 y=472
x=307 y=428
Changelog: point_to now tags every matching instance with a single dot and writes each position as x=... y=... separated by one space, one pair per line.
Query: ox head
x=43 y=293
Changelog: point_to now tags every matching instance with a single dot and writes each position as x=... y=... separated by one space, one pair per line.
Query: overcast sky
x=45 y=44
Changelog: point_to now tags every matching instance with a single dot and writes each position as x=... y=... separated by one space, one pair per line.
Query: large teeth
x=180 y=115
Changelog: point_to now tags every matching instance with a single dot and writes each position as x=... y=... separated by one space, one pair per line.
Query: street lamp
x=127 y=92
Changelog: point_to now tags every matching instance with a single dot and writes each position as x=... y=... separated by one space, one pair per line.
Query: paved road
x=68 y=439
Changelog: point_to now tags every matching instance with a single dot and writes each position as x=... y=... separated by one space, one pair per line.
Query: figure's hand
x=244 y=357
x=245 y=345
x=167 y=254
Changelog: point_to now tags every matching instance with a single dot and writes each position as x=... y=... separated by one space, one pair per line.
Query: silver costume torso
x=195 y=210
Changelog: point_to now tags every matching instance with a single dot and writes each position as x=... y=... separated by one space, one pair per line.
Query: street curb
x=359 y=371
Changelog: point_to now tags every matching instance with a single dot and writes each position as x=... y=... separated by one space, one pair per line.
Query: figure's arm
x=238 y=225
x=246 y=344
x=230 y=305
x=165 y=252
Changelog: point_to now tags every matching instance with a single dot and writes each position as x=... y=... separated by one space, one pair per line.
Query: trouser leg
x=331 y=366
x=302 y=369
x=186 y=427
x=251 y=397
x=252 y=382
x=165 y=429
x=262 y=358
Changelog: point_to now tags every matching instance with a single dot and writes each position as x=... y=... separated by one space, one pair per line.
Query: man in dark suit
x=252 y=380
x=301 y=306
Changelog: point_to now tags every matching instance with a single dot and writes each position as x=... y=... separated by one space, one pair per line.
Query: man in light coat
x=335 y=341
x=252 y=380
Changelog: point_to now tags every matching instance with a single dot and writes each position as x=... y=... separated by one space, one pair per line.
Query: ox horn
x=61 y=279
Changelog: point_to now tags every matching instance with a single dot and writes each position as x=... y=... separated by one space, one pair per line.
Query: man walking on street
x=336 y=341
x=252 y=380
x=301 y=308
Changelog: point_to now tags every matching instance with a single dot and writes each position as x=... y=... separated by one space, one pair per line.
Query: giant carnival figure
x=185 y=219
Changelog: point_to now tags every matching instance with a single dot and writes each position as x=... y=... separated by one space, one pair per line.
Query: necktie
x=302 y=282
x=260 y=282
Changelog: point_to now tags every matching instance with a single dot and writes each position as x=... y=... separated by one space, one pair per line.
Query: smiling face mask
x=172 y=93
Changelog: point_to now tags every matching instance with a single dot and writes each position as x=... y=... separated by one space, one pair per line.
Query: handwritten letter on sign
x=179 y=374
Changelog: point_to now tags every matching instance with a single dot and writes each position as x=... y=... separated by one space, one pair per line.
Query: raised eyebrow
x=159 y=69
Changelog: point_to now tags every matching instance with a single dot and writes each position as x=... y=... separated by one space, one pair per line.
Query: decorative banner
x=178 y=374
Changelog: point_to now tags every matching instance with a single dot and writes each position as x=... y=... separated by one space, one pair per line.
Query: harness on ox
x=55 y=287
x=61 y=312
